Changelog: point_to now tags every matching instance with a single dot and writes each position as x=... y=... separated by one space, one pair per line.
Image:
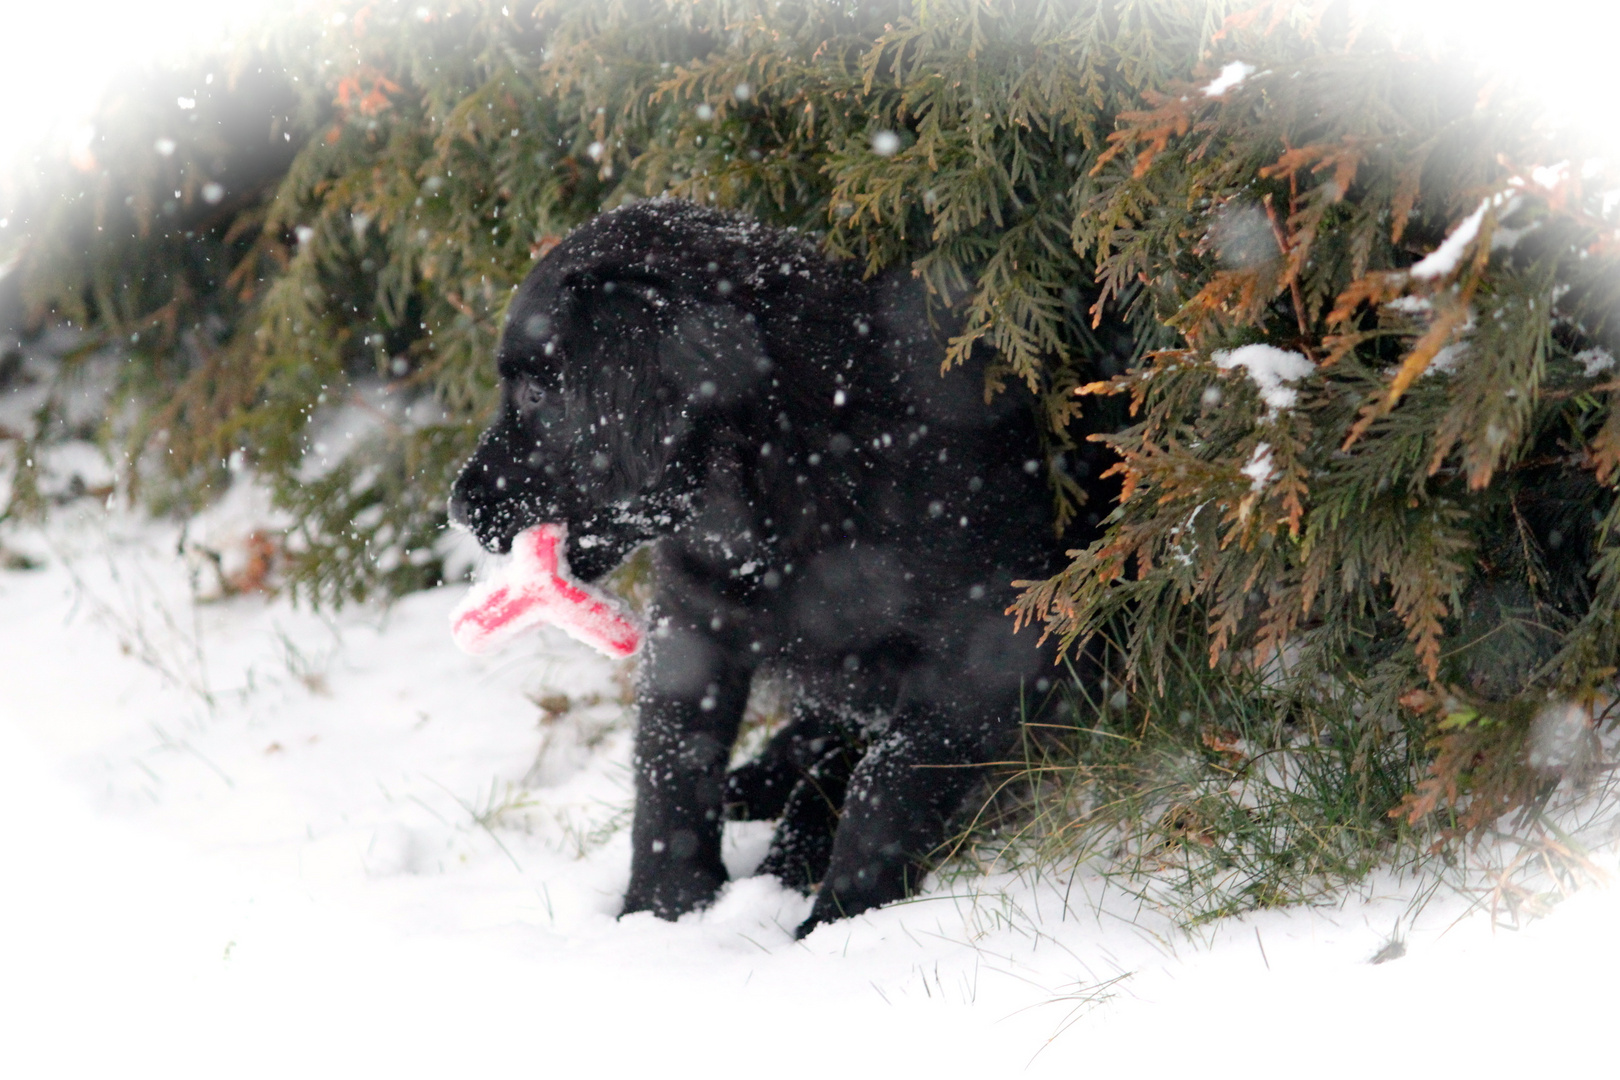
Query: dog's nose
x=490 y=524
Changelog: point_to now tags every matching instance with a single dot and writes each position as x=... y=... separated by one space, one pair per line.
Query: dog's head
x=620 y=356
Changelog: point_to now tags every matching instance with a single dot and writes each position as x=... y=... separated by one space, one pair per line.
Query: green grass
x=1211 y=795
x=1228 y=791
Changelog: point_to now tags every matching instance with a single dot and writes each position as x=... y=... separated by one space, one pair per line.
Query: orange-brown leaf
x=1424 y=351
x=1606 y=443
x=1378 y=287
x=1339 y=346
x=1344 y=159
x=1171 y=118
x=1416 y=363
x=1407 y=186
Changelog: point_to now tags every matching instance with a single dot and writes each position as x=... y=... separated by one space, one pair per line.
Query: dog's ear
x=712 y=352
x=701 y=351
x=604 y=342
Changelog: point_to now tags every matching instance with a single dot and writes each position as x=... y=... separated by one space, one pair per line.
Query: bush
x=1367 y=298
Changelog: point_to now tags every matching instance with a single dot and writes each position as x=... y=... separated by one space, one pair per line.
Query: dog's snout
x=479 y=503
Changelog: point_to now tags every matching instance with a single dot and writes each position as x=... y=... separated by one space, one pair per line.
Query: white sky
x=56 y=53
x=1567 y=49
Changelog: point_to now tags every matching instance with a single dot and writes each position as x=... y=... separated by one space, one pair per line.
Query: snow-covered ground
x=245 y=840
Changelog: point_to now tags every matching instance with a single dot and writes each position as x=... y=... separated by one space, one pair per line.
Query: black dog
x=821 y=499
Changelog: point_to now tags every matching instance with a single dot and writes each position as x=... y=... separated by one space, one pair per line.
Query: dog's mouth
x=496 y=510
x=493 y=526
x=495 y=503
x=593 y=552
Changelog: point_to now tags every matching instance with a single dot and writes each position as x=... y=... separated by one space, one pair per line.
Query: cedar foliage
x=1428 y=518
x=1433 y=515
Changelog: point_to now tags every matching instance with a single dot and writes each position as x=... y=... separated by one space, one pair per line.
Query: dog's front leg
x=897 y=810
x=692 y=700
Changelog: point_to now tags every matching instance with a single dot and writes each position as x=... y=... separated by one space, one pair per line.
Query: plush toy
x=534 y=588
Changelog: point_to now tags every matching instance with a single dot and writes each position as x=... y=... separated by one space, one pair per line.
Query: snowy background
x=246 y=840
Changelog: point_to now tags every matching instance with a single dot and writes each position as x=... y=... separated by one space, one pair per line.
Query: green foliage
x=439 y=154
x=1212 y=795
x=1432 y=504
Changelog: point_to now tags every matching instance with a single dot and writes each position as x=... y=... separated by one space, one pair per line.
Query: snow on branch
x=1443 y=259
x=1260 y=470
x=1271 y=369
x=1231 y=75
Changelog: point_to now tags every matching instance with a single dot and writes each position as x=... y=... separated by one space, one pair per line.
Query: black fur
x=820 y=499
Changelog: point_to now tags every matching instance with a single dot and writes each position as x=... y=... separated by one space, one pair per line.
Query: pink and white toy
x=534 y=588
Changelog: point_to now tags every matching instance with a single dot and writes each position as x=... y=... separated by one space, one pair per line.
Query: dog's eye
x=529 y=396
x=539 y=406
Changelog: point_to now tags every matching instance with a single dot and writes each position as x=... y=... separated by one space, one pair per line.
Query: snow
x=1443 y=259
x=1411 y=305
x=1270 y=368
x=1550 y=176
x=247 y=840
x=1446 y=360
x=221 y=542
x=885 y=143
x=1562 y=738
x=1231 y=75
x=372 y=408
x=1594 y=362
x=1259 y=470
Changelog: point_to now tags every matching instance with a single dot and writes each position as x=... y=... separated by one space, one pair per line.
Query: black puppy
x=820 y=499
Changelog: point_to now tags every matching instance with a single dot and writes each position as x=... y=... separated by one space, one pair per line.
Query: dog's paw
x=803 y=844
x=826 y=910
x=851 y=889
x=673 y=892
x=829 y=907
x=758 y=790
